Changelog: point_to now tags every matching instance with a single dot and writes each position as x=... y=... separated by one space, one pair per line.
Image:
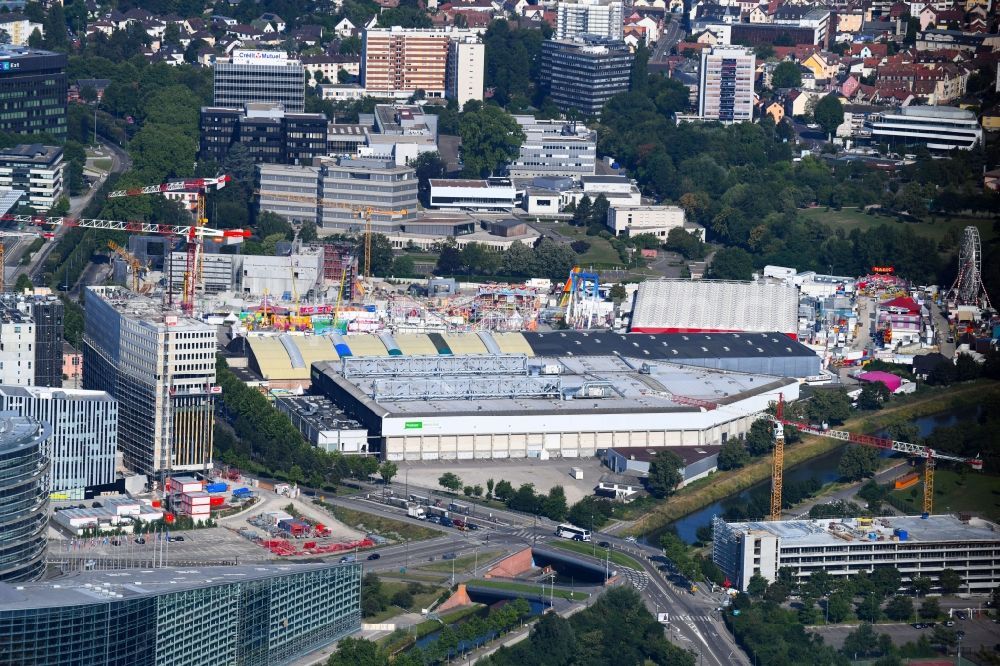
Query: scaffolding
x=433 y=366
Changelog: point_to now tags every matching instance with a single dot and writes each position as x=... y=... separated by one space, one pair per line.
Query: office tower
x=260 y=76
x=555 y=148
x=584 y=73
x=24 y=511
x=466 y=63
x=84 y=440
x=250 y=615
x=269 y=134
x=442 y=62
x=295 y=192
x=725 y=92
x=160 y=366
x=36 y=170
x=33 y=90
x=589 y=17
x=46 y=314
x=17 y=345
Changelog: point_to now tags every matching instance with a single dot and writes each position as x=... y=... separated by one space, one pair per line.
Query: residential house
x=619 y=487
x=307 y=35
x=245 y=32
x=274 y=20
x=759 y=15
x=823 y=65
x=775 y=109
x=990 y=120
x=345 y=28
x=650 y=26
x=19 y=28
x=850 y=87
x=800 y=102
x=870 y=50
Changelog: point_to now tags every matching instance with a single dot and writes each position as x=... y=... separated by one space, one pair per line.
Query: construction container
x=907 y=480
x=217 y=501
x=902 y=534
x=216 y=488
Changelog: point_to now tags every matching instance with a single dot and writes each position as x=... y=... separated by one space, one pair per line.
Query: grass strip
x=461 y=564
x=370 y=522
x=588 y=549
x=542 y=591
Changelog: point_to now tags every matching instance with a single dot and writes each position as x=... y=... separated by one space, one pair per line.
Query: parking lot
x=544 y=474
x=982 y=632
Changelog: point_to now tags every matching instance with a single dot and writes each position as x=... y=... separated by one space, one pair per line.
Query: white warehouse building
x=636 y=220
x=844 y=547
x=516 y=406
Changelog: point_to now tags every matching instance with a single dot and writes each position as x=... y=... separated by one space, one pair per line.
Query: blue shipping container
x=216 y=488
x=241 y=492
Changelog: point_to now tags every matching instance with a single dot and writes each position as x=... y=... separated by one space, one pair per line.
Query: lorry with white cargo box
x=416 y=512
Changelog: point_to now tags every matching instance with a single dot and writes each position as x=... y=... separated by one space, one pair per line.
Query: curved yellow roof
x=273 y=360
x=366 y=345
x=513 y=343
x=464 y=343
x=415 y=344
x=315 y=348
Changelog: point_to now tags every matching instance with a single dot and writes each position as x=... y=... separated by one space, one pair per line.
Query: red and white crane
x=193 y=233
x=195 y=241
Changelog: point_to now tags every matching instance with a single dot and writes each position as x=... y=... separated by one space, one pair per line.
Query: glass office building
x=24 y=505
x=32 y=91
x=264 y=615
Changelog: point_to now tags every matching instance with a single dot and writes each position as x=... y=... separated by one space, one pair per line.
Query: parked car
x=449 y=556
x=472 y=526
x=630 y=539
x=949 y=623
x=140 y=540
x=374 y=556
x=346 y=558
x=604 y=544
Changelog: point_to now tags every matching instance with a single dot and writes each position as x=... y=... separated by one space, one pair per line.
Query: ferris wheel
x=968 y=288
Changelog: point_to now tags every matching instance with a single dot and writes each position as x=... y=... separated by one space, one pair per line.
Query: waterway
x=537 y=608
x=823 y=468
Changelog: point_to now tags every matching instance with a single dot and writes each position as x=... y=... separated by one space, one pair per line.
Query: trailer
x=398 y=502
x=437 y=511
x=420 y=499
x=455 y=507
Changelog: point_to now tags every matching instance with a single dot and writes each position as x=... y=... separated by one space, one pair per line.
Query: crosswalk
x=639 y=579
x=526 y=533
x=691 y=618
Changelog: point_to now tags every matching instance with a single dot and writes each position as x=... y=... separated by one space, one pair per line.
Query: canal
x=822 y=468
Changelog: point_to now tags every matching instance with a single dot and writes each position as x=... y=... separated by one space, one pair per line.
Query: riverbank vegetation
x=723 y=484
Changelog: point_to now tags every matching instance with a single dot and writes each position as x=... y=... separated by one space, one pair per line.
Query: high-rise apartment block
x=442 y=62
x=24 y=506
x=725 y=92
x=84 y=440
x=589 y=17
x=160 y=366
x=36 y=170
x=40 y=326
x=260 y=76
x=585 y=72
x=346 y=187
x=269 y=134
x=17 y=345
x=250 y=615
x=33 y=90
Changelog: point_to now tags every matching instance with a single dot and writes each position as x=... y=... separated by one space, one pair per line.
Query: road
x=672 y=34
x=120 y=162
x=847 y=494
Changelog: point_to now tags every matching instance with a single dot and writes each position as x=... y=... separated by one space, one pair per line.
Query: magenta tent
x=892 y=382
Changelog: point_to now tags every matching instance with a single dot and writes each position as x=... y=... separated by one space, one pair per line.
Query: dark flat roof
x=689 y=454
x=666 y=346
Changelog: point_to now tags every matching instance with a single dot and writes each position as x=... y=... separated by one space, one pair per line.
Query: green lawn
x=423 y=600
x=600 y=254
x=529 y=588
x=934 y=227
x=102 y=163
x=386 y=527
x=588 y=549
x=461 y=564
x=978 y=494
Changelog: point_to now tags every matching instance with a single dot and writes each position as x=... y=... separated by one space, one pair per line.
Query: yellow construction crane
x=365 y=212
x=136 y=266
x=928 y=454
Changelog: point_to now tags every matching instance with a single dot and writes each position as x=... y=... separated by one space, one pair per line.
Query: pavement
x=672 y=34
x=979 y=633
x=543 y=474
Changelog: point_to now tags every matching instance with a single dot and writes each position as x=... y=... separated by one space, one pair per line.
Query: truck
x=416 y=512
x=437 y=511
x=400 y=502
x=455 y=507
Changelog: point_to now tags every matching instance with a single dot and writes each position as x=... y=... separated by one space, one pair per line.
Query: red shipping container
x=156 y=504
x=217 y=501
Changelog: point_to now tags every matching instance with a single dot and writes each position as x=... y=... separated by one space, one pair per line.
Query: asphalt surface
x=979 y=633
x=672 y=34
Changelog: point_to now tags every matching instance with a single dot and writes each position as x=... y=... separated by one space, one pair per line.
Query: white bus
x=567 y=531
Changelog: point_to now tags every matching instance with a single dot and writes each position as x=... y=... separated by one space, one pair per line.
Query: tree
x=760 y=437
x=525 y=499
x=618 y=292
x=861 y=642
x=504 y=490
x=382 y=254
x=944 y=636
x=450 y=481
x=831 y=407
x=449 y=260
x=477 y=490
x=838 y=607
x=665 y=472
x=686 y=243
x=468 y=491
x=786 y=75
x=873 y=396
x=857 y=462
x=818 y=584
x=733 y=455
x=591 y=513
x=886 y=580
x=35 y=39
x=427 y=166
x=403 y=266
x=808 y=613
x=930 y=608
x=731 y=263
x=491 y=139
x=757 y=586
x=489 y=487
x=162 y=152
x=869 y=608
x=921 y=585
x=777 y=592
x=554 y=505
x=55 y=28
x=357 y=652
x=308 y=232
x=950 y=581
x=829 y=113
x=23 y=282
x=899 y=608
x=639 y=77
x=387 y=470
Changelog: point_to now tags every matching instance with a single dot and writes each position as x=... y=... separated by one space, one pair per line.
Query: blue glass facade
x=244 y=616
x=24 y=517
